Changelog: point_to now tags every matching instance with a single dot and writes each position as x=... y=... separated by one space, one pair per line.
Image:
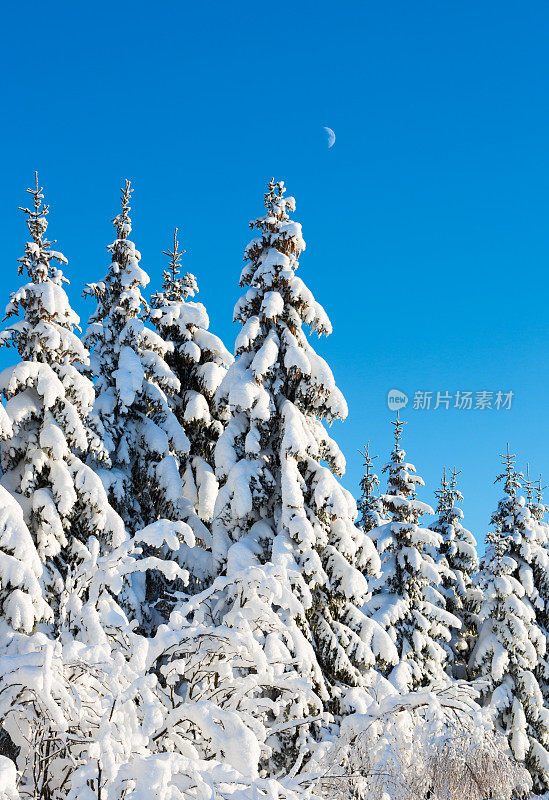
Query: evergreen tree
x=134 y=388
x=510 y=642
x=278 y=503
x=534 y=502
x=458 y=563
x=406 y=598
x=135 y=396
x=370 y=506
x=540 y=573
x=47 y=427
x=199 y=360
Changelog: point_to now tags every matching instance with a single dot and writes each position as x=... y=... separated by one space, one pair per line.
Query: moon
x=331 y=136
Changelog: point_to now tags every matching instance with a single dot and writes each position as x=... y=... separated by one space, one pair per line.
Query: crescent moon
x=331 y=137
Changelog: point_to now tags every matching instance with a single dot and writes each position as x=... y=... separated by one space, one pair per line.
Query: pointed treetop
x=122 y=222
x=370 y=480
x=453 y=480
x=454 y=491
x=533 y=487
x=368 y=459
x=399 y=425
x=529 y=485
x=36 y=217
x=277 y=212
x=275 y=191
x=175 y=287
x=511 y=478
x=539 y=490
x=448 y=492
x=38 y=256
x=175 y=257
x=442 y=494
x=443 y=482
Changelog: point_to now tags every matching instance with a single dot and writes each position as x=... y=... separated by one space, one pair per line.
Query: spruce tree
x=370 y=506
x=510 y=643
x=281 y=513
x=48 y=428
x=540 y=570
x=134 y=387
x=135 y=396
x=199 y=360
x=406 y=598
x=458 y=563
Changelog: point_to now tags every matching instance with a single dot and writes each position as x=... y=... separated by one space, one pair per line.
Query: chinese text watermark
x=461 y=400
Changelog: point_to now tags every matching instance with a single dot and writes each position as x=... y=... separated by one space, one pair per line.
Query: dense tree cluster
x=192 y=606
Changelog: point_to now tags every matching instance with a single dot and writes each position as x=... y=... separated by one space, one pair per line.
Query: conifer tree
x=406 y=598
x=458 y=563
x=540 y=570
x=534 y=502
x=510 y=643
x=199 y=360
x=48 y=428
x=539 y=508
x=370 y=506
x=134 y=386
x=278 y=503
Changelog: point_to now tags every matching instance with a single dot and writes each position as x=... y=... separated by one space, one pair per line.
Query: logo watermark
x=461 y=400
x=396 y=399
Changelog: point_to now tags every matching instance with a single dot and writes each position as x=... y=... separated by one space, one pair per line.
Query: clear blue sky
x=426 y=224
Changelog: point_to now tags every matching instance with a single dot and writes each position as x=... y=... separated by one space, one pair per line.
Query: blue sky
x=426 y=224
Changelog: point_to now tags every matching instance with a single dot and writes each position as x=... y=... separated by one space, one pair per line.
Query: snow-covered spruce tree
x=199 y=360
x=133 y=385
x=458 y=562
x=510 y=643
x=406 y=600
x=279 y=503
x=47 y=426
x=370 y=506
x=134 y=388
x=540 y=567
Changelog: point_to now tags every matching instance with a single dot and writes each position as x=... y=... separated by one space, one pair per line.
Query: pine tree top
x=529 y=486
x=513 y=516
x=175 y=288
x=369 y=504
x=397 y=454
x=277 y=211
x=122 y=221
x=511 y=479
x=42 y=302
x=447 y=495
x=118 y=295
x=535 y=499
x=442 y=495
x=276 y=294
x=38 y=253
x=370 y=481
x=538 y=507
x=273 y=312
x=402 y=481
x=401 y=473
x=534 y=495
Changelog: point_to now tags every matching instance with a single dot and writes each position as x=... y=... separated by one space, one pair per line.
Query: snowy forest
x=193 y=607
